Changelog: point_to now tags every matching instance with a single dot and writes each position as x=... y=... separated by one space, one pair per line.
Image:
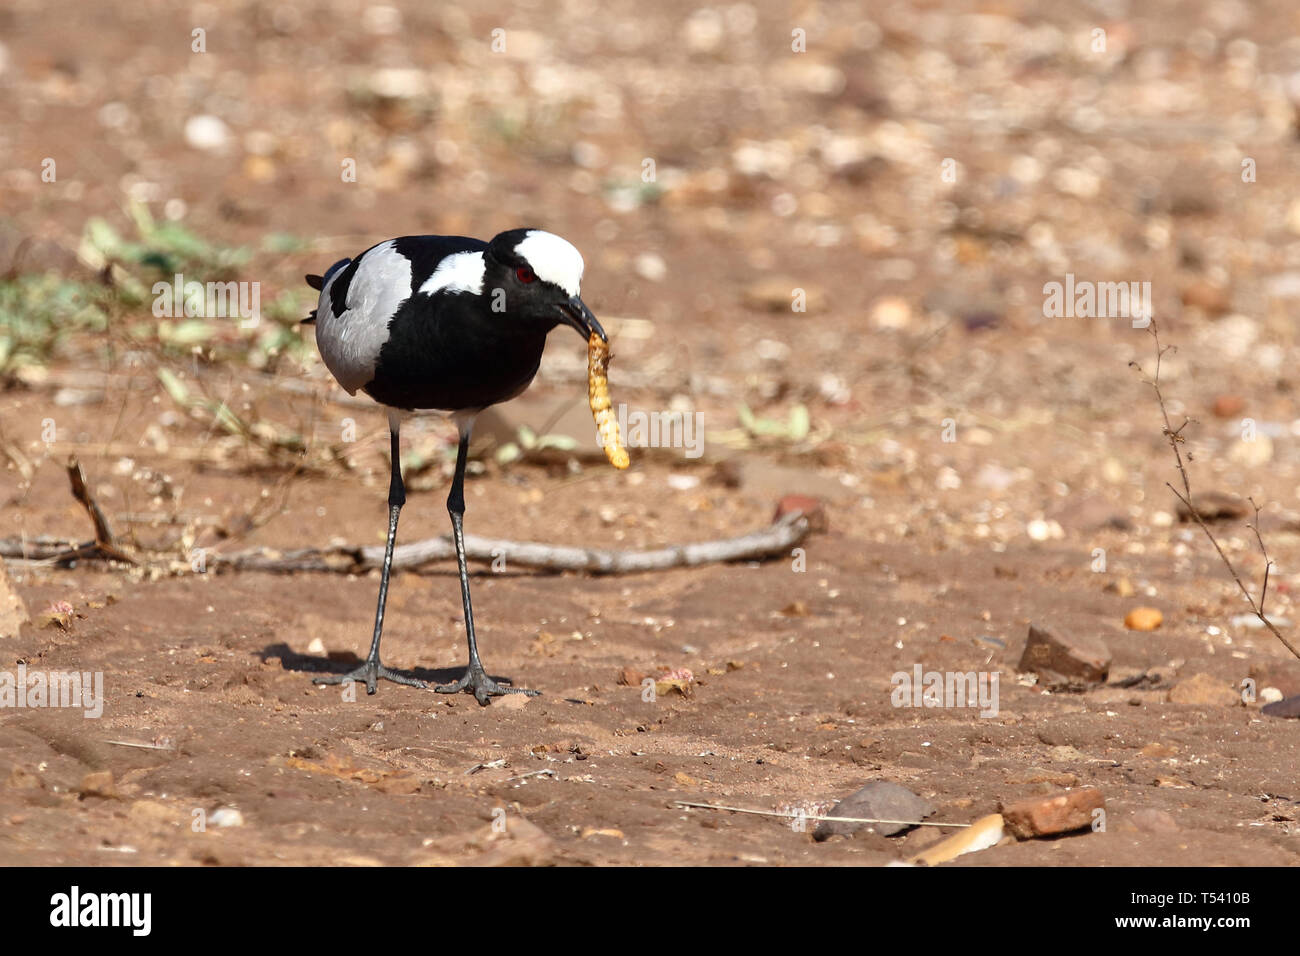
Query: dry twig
x=775 y=539
x=1175 y=438
x=104 y=545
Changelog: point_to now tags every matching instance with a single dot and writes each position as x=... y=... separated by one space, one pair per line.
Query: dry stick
x=775 y=539
x=1175 y=437
x=769 y=541
x=813 y=816
x=36 y=549
x=79 y=491
x=772 y=540
x=104 y=542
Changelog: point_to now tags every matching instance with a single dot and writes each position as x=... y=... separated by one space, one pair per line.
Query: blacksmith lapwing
x=450 y=323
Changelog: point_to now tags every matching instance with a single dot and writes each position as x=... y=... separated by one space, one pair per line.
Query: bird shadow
x=341 y=662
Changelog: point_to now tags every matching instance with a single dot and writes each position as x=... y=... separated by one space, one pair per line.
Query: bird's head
x=539 y=276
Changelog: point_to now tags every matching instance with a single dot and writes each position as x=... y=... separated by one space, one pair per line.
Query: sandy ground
x=982 y=466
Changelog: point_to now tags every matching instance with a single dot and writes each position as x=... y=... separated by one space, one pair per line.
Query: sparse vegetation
x=40 y=312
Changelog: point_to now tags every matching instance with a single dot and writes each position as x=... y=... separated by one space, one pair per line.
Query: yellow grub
x=598 y=397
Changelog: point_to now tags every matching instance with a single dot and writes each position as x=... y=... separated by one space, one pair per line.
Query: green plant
x=37 y=312
x=528 y=442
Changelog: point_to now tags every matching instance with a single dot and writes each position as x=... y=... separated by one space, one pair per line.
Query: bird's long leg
x=476 y=681
x=371 y=670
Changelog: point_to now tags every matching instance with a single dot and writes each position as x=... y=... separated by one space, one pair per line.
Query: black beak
x=577 y=315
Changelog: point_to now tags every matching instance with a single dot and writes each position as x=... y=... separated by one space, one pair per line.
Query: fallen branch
x=794 y=815
x=775 y=539
x=1175 y=437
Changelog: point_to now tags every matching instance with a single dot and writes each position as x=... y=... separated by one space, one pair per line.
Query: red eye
x=526 y=274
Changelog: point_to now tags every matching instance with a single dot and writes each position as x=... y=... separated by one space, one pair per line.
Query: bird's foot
x=477 y=682
x=370 y=673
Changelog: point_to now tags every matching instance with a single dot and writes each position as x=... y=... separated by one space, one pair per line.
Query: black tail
x=318 y=283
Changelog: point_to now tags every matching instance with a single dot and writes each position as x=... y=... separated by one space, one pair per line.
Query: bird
x=449 y=323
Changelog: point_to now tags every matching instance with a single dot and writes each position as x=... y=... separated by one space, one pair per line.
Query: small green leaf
x=800 y=423
x=174 y=387
x=560 y=442
x=189 y=332
x=283 y=242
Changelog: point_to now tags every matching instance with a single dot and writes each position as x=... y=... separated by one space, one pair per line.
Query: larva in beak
x=598 y=398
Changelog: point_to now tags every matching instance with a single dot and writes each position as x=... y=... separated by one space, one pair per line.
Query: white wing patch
x=555 y=260
x=350 y=343
x=458 y=272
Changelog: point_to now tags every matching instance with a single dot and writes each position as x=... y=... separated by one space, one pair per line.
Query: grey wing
x=356 y=305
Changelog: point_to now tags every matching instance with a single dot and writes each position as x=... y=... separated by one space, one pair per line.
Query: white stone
x=207 y=132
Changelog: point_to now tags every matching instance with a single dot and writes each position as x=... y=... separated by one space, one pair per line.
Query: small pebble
x=891 y=312
x=1143 y=619
x=1050 y=815
x=207 y=132
x=1074 y=660
x=226 y=817
x=1040 y=530
x=1289 y=707
x=651 y=266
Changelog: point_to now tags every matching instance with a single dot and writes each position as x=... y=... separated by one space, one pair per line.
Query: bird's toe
x=483 y=687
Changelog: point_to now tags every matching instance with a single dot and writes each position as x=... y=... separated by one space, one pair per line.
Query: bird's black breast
x=450 y=352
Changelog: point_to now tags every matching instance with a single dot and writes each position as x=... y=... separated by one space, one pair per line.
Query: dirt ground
x=982 y=466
